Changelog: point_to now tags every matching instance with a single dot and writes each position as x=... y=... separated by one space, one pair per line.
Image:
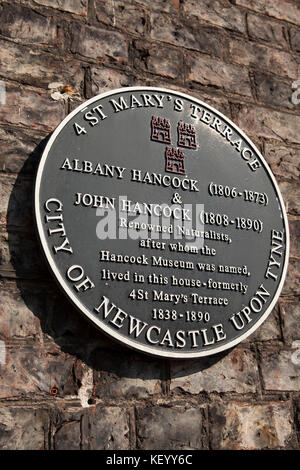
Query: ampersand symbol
x=176 y=199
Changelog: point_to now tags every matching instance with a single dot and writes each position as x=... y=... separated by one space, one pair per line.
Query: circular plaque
x=162 y=222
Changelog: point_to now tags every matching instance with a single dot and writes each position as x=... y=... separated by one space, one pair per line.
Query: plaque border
x=68 y=290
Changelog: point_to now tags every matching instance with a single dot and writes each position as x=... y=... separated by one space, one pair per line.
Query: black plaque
x=162 y=222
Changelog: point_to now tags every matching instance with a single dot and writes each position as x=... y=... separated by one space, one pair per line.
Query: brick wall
x=63 y=385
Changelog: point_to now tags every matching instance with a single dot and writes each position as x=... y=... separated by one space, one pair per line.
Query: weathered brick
x=21 y=155
x=221 y=13
x=234 y=372
x=290 y=312
x=297 y=417
x=68 y=436
x=20 y=150
x=104 y=79
x=28 y=312
x=110 y=428
x=176 y=428
x=291 y=196
x=23 y=428
x=214 y=73
x=21 y=256
x=263 y=58
x=260 y=27
x=126 y=16
x=269 y=330
x=26 y=26
x=279 y=371
x=295 y=39
x=79 y=7
x=32 y=370
x=123 y=374
x=273 y=91
x=294 y=226
x=16 y=201
x=188 y=34
x=284 y=161
x=17 y=320
x=37 y=68
x=292 y=282
x=167 y=6
x=158 y=59
x=99 y=44
x=263 y=122
x=245 y=426
x=282 y=10
x=69 y=329
x=29 y=108
x=219 y=102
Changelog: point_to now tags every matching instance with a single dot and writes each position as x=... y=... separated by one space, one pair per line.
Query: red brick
x=32 y=371
x=105 y=79
x=21 y=256
x=123 y=14
x=295 y=39
x=79 y=7
x=279 y=371
x=98 y=44
x=282 y=10
x=36 y=68
x=219 y=102
x=26 y=26
x=177 y=428
x=33 y=109
x=247 y=426
x=216 y=101
x=284 y=161
x=15 y=201
x=290 y=312
x=273 y=91
x=188 y=34
x=23 y=428
x=28 y=313
x=266 y=29
x=158 y=59
x=256 y=121
x=269 y=330
x=294 y=226
x=221 y=13
x=123 y=374
x=291 y=196
x=20 y=150
x=213 y=72
x=235 y=372
x=17 y=320
x=110 y=428
x=68 y=436
x=167 y=6
x=260 y=57
x=292 y=282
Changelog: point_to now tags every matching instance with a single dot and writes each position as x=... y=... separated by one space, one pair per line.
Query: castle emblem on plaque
x=186 y=135
x=174 y=157
x=161 y=130
x=175 y=160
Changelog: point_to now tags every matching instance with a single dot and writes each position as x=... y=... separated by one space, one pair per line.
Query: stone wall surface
x=64 y=385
